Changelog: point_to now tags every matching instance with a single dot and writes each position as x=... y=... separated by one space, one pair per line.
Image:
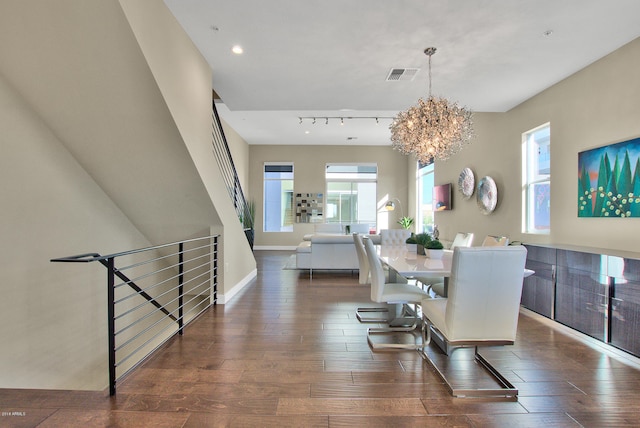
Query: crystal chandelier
x=435 y=128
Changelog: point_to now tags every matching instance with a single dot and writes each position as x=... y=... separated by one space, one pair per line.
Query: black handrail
x=200 y=280
x=244 y=210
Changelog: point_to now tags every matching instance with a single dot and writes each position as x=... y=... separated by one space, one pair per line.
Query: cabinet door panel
x=537 y=291
x=625 y=304
x=581 y=301
x=537 y=295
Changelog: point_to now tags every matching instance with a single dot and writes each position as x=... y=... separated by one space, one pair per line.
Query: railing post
x=180 y=284
x=111 y=324
x=215 y=270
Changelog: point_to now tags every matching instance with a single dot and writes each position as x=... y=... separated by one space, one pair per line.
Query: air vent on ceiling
x=397 y=74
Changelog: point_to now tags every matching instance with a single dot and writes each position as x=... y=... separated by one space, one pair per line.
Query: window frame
x=285 y=227
x=421 y=172
x=532 y=179
x=350 y=177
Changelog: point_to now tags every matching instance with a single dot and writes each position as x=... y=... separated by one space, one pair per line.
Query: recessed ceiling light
x=237 y=49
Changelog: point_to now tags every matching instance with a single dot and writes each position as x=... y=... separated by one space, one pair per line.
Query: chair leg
x=426 y=333
x=505 y=388
x=395 y=329
x=396 y=315
x=360 y=314
x=390 y=330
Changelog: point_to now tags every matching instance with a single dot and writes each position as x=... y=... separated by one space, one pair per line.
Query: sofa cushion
x=328 y=228
x=304 y=247
x=332 y=239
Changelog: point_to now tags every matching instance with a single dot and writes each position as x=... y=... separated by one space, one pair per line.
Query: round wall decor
x=466 y=183
x=487 y=195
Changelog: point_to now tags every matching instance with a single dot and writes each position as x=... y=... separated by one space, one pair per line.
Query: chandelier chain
x=429 y=75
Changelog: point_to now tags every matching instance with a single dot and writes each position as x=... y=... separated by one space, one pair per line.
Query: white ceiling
x=306 y=58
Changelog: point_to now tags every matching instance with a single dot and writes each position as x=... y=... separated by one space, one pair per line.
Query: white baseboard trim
x=226 y=297
x=274 y=247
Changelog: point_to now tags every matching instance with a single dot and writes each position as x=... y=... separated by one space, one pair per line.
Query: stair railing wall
x=244 y=210
x=152 y=294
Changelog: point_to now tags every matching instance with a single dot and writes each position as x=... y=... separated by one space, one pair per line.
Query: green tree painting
x=606 y=191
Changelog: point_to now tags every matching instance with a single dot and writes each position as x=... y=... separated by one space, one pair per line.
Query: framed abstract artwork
x=442 y=197
x=609 y=180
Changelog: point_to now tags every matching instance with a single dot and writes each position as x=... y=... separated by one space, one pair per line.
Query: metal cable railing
x=244 y=210
x=172 y=285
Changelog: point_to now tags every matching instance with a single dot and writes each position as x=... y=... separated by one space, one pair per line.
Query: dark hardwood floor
x=288 y=351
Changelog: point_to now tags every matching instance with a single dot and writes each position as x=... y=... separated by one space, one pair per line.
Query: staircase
x=244 y=209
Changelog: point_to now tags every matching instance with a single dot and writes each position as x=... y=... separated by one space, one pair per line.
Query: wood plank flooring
x=289 y=352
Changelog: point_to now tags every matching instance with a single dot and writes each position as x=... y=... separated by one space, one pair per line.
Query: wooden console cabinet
x=596 y=292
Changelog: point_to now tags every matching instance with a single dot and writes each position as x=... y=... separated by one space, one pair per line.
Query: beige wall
x=184 y=78
x=53 y=316
x=100 y=147
x=309 y=165
x=596 y=106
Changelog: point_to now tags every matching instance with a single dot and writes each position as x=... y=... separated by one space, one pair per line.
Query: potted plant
x=405 y=222
x=412 y=243
x=422 y=240
x=435 y=249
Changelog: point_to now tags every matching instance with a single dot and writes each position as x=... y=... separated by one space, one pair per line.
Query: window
x=278 y=197
x=424 y=204
x=351 y=193
x=536 y=189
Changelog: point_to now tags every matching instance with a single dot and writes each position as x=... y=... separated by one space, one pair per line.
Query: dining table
x=407 y=263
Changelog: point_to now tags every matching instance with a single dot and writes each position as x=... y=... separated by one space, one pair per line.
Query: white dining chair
x=462 y=239
x=437 y=285
x=364 y=276
x=495 y=241
x=483 y=302
x=391 y=293
x=395 y=237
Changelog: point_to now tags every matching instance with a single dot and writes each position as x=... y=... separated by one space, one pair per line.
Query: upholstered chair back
x=394 y=236
x=462 y=239
x=363 y=276
x=484 y=293
x=495 y=241
x=375 y=268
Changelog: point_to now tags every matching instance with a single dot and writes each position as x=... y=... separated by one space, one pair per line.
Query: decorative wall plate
x=487 y=195
x=466 y=183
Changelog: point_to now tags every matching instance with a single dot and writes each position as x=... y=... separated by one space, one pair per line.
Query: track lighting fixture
x=341 y=119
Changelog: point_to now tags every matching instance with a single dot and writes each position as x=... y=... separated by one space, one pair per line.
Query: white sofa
x=327 y=252
x=330 y=247
x=337 y=229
